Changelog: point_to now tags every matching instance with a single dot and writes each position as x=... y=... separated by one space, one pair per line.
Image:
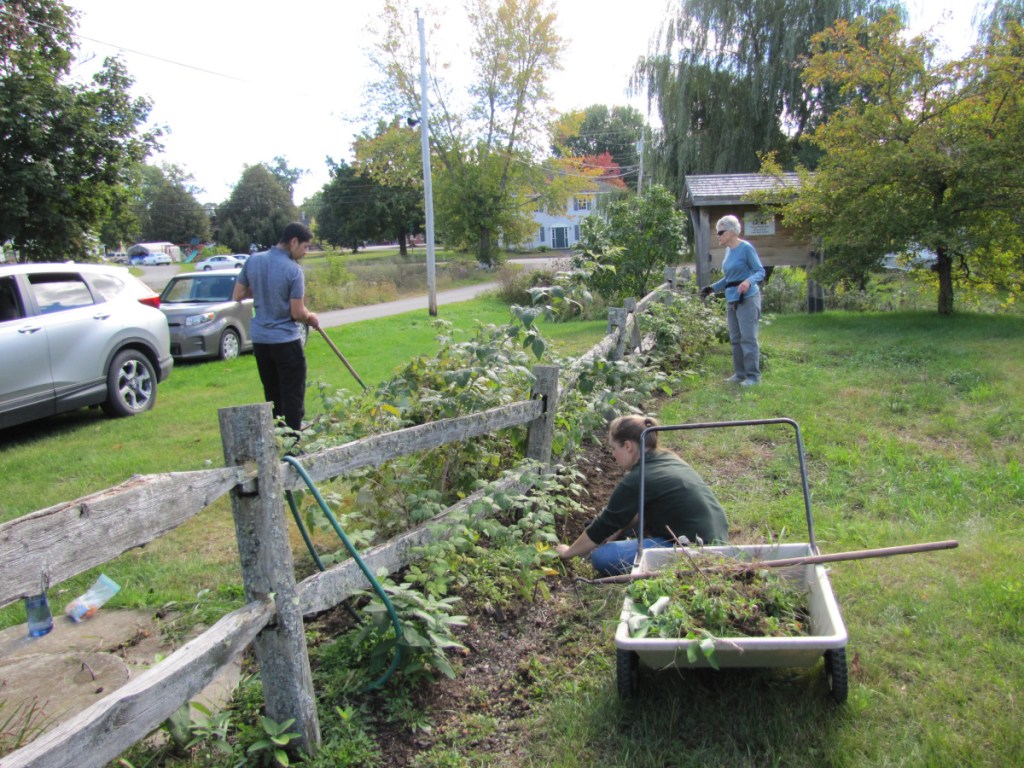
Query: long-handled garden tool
x=341 y=357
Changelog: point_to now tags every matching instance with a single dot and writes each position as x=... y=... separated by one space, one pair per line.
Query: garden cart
x=827 y=635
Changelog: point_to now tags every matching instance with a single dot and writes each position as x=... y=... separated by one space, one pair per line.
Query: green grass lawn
x=912 y=430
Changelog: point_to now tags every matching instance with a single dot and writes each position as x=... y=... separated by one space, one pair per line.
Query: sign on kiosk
x=757 y=223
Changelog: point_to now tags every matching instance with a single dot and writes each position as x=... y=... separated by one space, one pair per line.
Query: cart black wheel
x=835 y=674
x=627 y=670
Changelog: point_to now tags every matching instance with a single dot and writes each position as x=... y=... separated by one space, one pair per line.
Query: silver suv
x=74 y=335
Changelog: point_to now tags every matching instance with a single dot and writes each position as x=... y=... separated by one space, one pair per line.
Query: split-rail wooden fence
x=67 y=539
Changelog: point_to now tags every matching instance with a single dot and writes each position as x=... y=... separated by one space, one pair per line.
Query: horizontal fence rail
x=97 y=735
x=64 y=540
x=376 y=450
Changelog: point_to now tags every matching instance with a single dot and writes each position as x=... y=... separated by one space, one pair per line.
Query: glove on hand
x=706 y=291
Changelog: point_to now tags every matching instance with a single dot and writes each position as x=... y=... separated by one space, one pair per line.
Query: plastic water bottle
x=40 y=620
x=86 y=605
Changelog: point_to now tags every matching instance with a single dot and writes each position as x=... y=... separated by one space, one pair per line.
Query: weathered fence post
x=815 y=290
x=670 y=277
x=617 y=324
x=634 y=327
x=265 y=552
x=542 y=430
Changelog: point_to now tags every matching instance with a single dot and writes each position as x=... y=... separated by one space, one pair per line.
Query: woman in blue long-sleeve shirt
x=742 y=271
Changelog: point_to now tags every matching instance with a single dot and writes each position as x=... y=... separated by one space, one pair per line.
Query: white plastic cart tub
x=828 y=633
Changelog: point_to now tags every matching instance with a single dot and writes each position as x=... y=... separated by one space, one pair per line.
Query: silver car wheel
x=131 y=384
x=230 y=346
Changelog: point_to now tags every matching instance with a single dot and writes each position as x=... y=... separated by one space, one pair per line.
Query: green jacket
x=675 y=497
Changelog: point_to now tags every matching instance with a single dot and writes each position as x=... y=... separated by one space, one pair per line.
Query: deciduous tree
x=598 y=130
x=65 y=149
x=259 y=208
x=391 y=158
x=167 y=210
x=348 y=208
x=625 y=250
x=926 y=154
x=486 y=154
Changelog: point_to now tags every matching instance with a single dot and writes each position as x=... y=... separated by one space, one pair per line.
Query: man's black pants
x=282 y=370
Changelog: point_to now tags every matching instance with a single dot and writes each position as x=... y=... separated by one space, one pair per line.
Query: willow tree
x=995 y=18
x=486 y=142
x=725 y=82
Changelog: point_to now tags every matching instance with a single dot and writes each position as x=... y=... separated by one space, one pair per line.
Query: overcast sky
x=239 y=83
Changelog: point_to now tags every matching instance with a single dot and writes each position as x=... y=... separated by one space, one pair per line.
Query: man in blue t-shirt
x=274 y=280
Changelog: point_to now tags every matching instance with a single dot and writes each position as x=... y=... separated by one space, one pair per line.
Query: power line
x=125 y=49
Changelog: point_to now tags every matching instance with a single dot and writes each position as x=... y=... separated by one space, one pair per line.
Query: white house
x=561 y=230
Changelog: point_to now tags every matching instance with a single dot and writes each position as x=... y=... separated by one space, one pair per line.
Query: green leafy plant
x=348 y=741
x=685 y=329
x=363 y=654
x=624 y=251
x=567 y=298
x=209 y=728
x=271 y=749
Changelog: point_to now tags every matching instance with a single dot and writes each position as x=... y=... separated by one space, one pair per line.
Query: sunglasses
x=721 y=232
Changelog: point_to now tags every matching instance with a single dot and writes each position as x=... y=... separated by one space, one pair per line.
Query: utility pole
x=428 y=190
x=640 y=154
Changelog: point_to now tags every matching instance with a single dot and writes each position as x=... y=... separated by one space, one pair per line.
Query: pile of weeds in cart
x=715 y=598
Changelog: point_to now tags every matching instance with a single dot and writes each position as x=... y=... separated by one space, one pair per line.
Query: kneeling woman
x=676 y=501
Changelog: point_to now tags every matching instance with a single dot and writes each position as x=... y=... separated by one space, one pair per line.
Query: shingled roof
x=732 y=188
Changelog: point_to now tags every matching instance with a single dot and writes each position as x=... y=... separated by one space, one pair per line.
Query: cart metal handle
x=716 y=425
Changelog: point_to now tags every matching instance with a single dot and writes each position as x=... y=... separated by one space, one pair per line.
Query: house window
x=541 y=239
x=581 y=204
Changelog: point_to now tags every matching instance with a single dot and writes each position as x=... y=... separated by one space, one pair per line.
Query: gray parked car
x=203 y=320
x=75 y=335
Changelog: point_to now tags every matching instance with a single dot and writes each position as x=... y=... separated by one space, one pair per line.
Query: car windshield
x=191 y=289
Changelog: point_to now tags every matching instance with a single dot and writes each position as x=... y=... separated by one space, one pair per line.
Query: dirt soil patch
x=504 y=650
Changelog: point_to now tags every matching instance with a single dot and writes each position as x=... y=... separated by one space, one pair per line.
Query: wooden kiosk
x=710 y=197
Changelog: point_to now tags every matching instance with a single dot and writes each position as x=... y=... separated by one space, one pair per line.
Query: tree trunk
x=403 y=248
x=485 y=254
x=944 y=268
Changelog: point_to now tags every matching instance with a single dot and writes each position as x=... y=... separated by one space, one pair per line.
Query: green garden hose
x=355 y=556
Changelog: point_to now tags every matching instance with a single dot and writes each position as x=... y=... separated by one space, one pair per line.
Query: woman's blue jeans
x=617 y=557
x=746 y=351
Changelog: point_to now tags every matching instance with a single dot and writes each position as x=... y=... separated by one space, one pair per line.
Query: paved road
x=157 y=277
x=336 y=317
